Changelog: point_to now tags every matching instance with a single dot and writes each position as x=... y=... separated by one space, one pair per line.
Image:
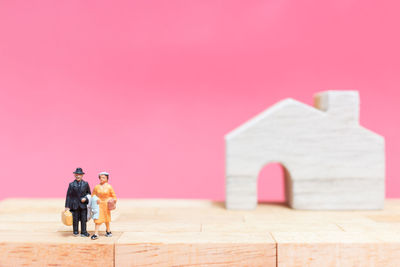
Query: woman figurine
x=105 y=193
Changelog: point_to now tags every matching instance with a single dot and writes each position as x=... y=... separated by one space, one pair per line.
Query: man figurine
x=77 y=201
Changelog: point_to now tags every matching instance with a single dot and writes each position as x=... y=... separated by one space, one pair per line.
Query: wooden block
x=54 y=249
x=325 y=217
x=195 y=249
x=330 y=161
x=385 y=217
x=199 y=215
x=29 y=226
x=334 y=249
x=158 y=234
x=370 y=226
x=31 y=205
x=392 y=205
x=166 y=203
x=156 y=226
x=268 y=227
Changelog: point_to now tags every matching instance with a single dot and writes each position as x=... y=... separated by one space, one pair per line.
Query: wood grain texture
x=54 y=249
x=169 y=232
x=195 y=249
x=336 y=249
x=330 y=161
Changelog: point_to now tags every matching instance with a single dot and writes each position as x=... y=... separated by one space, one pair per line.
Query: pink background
x=146 y=90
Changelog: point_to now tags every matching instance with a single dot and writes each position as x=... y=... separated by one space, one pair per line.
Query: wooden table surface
x=167 y=232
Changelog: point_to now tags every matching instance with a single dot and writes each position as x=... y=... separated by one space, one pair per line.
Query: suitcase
x=111 y=204
x=66 y=217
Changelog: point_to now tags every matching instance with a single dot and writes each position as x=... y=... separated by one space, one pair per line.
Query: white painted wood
x=330 y=161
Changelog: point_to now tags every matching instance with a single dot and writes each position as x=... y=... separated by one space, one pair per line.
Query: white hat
x=104 y=173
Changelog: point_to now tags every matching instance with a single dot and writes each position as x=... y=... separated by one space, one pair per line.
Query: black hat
x=79 y=171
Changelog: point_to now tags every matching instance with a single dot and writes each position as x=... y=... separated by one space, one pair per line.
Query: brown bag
x=111 y=204
x=66 y=217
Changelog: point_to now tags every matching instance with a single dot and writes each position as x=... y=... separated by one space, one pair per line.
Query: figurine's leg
x=96 y=232
x=108 y=230
x=83 y=220
x=96 y=228
x=75 y=221
x=79 y=210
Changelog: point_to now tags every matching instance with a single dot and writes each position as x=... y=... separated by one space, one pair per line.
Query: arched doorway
x=272 y=183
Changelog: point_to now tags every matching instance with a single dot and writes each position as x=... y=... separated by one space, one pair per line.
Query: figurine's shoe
x=85 y=234
x=108 y=234
x=76 y=233
x=94 y=237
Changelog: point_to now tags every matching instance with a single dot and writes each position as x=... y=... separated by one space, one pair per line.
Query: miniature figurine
x=76 y=202
x=105 y=193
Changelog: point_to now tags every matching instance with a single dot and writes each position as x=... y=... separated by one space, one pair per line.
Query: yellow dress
x=104 y=193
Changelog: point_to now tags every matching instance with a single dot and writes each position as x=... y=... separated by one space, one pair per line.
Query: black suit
x=77 y=191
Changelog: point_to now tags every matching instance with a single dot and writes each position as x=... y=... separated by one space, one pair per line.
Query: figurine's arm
x=67 y=199
x=94 y=191
x=87 y=193
x=113 y=194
